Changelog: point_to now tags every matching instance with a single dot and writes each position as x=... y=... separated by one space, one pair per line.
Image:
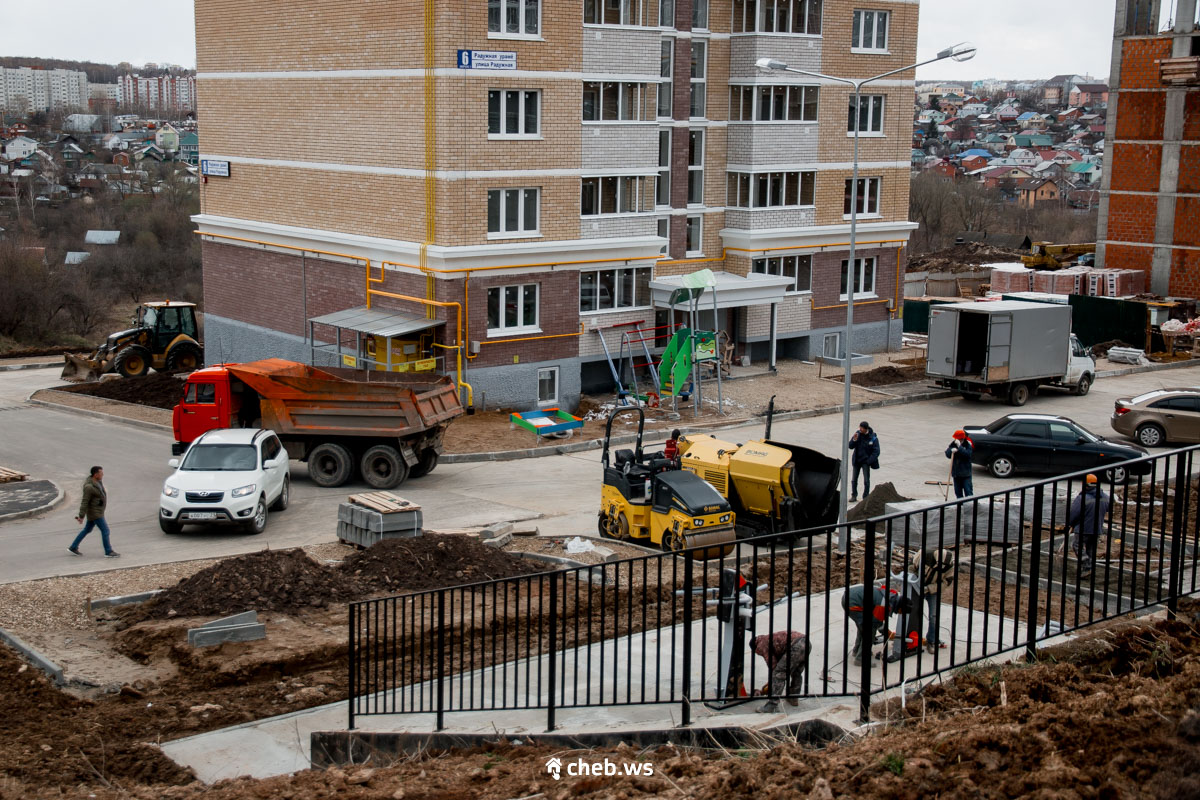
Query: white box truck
x=1007 y=349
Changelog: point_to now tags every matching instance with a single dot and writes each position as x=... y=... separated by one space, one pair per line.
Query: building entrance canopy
x=733 y=291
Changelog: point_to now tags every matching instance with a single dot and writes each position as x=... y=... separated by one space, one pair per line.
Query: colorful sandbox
x=546 y=421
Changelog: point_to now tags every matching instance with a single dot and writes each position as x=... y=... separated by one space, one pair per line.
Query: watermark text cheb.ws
x=580 y=768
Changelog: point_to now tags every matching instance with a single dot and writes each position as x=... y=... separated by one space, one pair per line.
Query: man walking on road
x=959 y=452
x=864 y=446
x=91 y=507
x=1086 y=519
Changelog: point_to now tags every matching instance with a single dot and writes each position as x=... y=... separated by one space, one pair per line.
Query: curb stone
x=42 y=365
x=33 y=512
x=33 y=656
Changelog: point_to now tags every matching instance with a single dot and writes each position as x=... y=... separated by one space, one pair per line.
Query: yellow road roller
x=650 y=498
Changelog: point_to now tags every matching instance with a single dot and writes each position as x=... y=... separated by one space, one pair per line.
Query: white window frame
x=836 y=336
x=755 y=12
x=521 y=232
x=522 y=100
x=662 y=184
x=698 y=220
x=700 y=11
x=666 y=10
x=666 y=87
x=522 y=19
x=620 y=187
x=869 y=197
x=617 y=278
x=695 y=184
x=699 y=82
x=630 y=98
x=742 y=188
x=630 y=12
x=864 y=291
x=522 y=326
x=664 y=222
x=548 y=371
x=746 y=103
x=858 y=27
x=875 y=121
x=778 y=265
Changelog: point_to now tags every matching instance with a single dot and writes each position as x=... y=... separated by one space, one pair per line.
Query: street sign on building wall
x=487 y=59
x=216 y=169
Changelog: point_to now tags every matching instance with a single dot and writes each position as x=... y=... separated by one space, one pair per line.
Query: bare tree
x=974 y=206
x=929 y=205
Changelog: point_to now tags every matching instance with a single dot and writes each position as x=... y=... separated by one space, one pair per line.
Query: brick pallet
x=374 y=516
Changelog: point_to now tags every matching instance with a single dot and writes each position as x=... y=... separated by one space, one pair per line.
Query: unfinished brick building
x=1150 y=203
x=544 y=171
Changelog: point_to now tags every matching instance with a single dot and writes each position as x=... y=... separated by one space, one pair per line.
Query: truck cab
x=207 y=404
x=1081 y=368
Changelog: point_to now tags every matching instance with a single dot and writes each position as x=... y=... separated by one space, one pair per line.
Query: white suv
x=228 y=477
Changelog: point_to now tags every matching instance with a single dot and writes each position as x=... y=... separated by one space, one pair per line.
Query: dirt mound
x=432 y=561
x=886 y=375
x=156 y=390
x=963 y=258
x=271 y=580
x=875 y=504
x=1100 y=350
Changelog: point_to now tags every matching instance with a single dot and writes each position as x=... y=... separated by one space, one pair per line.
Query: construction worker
x=671 y=448
x=786 y=654
x=1086 y=520
x=864 y=447
x=886 y=603
x=908 y=640
x=959 y=452
x=934 y=568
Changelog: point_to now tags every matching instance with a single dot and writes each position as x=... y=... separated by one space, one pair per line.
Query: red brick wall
x=1185 y=273
x=1136 y=167
x=1189 y=169
x=1131 y=218
x=1123 y=256
x=1187 y=221
x=1191 y=116
x=1141 y=115
x=827 y=283
x=1139 y=64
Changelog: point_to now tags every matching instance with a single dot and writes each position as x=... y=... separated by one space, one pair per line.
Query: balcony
x=1180 y=71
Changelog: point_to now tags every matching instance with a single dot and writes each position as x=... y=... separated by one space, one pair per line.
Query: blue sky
x=1016 y=38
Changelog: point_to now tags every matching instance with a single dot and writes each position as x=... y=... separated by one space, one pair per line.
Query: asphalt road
x=560 y=492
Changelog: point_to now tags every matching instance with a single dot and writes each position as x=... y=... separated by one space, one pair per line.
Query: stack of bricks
x=1072 y=280
x=1116 y=282
x=1011 y=278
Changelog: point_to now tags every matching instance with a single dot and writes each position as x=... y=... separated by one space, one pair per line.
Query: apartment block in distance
x=1150 y=201
x=516 y=184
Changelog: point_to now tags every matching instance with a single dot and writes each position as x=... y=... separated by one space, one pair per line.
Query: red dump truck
x=389 y=425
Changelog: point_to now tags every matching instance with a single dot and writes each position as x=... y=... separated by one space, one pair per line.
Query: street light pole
x=959 y=52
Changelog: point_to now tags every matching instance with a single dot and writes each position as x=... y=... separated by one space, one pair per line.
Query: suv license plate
x=202 y=515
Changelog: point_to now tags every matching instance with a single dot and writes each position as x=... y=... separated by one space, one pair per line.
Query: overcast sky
x=1016 y=38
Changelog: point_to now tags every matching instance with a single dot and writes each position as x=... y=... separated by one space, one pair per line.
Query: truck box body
x=999 y=343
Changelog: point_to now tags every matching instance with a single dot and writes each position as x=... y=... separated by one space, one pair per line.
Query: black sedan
x=1048 y=444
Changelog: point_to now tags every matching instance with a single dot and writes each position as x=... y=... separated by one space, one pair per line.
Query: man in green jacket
x=91 y=508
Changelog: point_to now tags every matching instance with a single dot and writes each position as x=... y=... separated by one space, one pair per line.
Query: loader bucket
x=79 y=368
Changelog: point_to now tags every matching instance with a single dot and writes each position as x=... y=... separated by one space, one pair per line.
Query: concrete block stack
x=1116 y=282
x=365 y=526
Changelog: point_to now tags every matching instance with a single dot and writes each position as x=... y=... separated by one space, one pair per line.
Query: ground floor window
x=798 y=268
x=607 y=289
x=512 y=308
x=548 y=385
x=864 y=277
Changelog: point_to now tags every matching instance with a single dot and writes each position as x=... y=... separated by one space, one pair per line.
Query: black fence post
x=1182 y=486
x=1035 y=570
x=552 y=671
x=352 y=665
x=868 y=628
x=687 y=641
x=441 y=659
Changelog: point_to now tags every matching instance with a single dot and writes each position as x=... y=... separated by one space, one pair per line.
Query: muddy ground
x=155 y=390
x=963 y=257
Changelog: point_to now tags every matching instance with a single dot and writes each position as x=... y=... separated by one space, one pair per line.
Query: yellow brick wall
x=831 y=194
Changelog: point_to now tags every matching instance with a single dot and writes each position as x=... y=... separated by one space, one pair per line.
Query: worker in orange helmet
x=959 y=452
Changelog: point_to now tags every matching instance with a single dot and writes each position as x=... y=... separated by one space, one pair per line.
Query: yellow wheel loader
x=164 y=337
x=773 y=487
x=648 y=499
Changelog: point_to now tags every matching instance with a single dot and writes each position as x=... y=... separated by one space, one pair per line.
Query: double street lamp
x=959 y=52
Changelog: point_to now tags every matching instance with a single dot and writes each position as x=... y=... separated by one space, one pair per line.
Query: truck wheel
x=1084 y=386
x=427 y=461
x=329 y=464
x=133 y=361
x=383 y=467
x=1150 y=435
x=185 y=357
x=1018 y=395
x=1002 y=467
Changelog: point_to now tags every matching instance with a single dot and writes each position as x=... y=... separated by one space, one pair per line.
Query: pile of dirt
x=1101 y=349
x=963 y=258
x=875 y=504
x=30 y=352
x=156 y=390
x=270 y=580
x=886 y=375
x=432 y=561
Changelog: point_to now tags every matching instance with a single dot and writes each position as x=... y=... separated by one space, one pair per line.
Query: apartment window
x=611 y=195
x=512 y=212
x=870 y=31
x=666 y=69
x=771 y=189
x=547 y=385
x=700 y=14
x=512 y=309
x=610 y=101
x=777 y=16
x=699 y=70
x=664 y=231
x=695 y=235
x=864 y=277
x=870 y=114
x=662 y=188
x=773 y=103
x=513 y=112
x=515 y=17
x=612 y=12
x=798 y=268
x=868 y=196
x=695 y=167
x=666 y=13
x=608 y=289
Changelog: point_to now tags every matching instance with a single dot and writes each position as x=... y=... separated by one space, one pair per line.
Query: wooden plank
x=383 y=502
x=7 y=475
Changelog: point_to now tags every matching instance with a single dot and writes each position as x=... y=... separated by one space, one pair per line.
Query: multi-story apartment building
x=166 y=92
x=548 y=172
x=24 y=90
x=1150 y=192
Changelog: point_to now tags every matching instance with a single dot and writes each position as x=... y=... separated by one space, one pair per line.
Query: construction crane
x=1052 y=256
